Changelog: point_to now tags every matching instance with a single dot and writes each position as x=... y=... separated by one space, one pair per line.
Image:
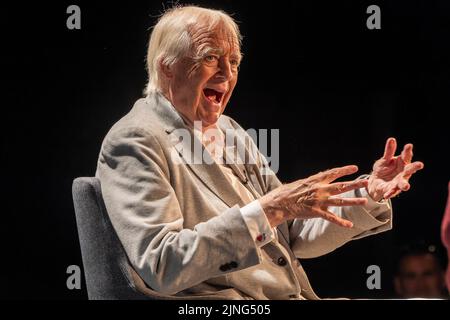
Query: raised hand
x=391 y=173
x=310 y=198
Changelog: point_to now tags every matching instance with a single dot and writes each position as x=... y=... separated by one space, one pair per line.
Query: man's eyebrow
x=220 y=51
x=214 y=50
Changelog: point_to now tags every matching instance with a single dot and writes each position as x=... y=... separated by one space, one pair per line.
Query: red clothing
x=445 y=234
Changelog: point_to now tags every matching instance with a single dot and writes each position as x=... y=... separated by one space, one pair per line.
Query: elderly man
x=215 y=229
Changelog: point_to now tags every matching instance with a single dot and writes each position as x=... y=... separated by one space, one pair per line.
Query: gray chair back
x=106 y=266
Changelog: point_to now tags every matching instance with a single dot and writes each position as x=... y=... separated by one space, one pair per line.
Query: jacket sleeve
x=144 y=210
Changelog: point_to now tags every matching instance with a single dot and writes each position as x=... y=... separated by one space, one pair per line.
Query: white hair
x=170 y=39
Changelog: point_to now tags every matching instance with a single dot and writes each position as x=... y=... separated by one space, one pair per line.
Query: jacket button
x=282 y=261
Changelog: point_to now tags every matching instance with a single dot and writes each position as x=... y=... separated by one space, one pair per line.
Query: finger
x=332 y=218
x=390 y=148
x=343 y=202
x=412 y=168
x=393 y=190
x=341 y=187
x=392 y=193
x=336 y=173
x=407 y=153
x=403 y=185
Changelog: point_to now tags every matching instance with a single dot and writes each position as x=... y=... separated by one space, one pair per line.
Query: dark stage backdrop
x=312 y=69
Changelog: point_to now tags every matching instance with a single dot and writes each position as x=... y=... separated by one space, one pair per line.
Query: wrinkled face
x=200 y=84
x=420 y=277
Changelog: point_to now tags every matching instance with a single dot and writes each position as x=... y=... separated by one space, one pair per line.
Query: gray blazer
x=180 y=223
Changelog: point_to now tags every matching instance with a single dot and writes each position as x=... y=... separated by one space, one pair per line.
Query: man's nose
x=225 y=73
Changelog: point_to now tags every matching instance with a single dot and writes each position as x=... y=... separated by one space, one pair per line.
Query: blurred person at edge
x=420 y=273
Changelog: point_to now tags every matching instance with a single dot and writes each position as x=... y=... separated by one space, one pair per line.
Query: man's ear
x=165 y=69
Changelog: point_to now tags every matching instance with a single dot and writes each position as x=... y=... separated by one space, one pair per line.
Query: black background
x=312 y=69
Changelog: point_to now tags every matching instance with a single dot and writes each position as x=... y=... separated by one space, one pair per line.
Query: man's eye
x=211 y=58
x=234 y=62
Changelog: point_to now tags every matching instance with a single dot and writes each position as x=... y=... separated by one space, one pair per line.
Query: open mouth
x=213 y=95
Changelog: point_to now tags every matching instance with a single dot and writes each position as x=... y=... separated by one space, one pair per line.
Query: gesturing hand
x=311 y=197
x=391 y=173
